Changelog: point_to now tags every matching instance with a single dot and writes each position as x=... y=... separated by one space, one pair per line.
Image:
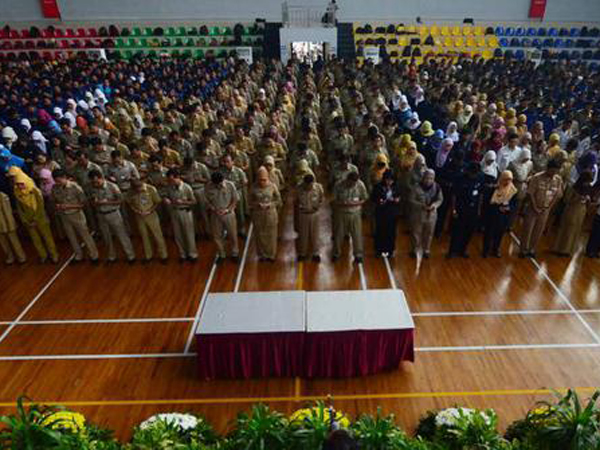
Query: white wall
x=350 y=10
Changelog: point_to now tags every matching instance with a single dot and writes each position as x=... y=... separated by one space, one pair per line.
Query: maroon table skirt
x=356 y=353
x=251 y=355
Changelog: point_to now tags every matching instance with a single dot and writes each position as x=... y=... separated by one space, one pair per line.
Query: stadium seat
x=515 y=42
x=456 y=31
x=434 y=30
x=423 y=30
x=569 y=43
x=492 y=41
x=503 y=42
x=471 y=42
x=563 y=32
x=479 y=31
x=531 y=31
x=510 y=31
x=520 y=31
x=499 y=31
x=520 y=54
x=467 y=30
x=487 y=54
x=552 y=32
x=448 y=42
x=526 y=42
x=69 y=32
x=459 y=41
x=548 y=43
x=559 y=43
x=91 y=32
x=541 y=31
x=445 y=30
x=574 y=32
x=537 y=43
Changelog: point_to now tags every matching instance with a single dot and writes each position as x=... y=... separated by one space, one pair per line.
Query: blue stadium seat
x=576 y=54
x=569 y=43
x=531 y=31
x=559 y=43
x=553 y=32
x=520 y=32
x=510 y=31
x=526 y=42
x=548 y=43
x=537 y=43
x=515 y=42
x=575 y=32
x=520 y=54
x=541 y=31
x=498 y=53
x=588 y=54
x=499 y=31
x=503 y=42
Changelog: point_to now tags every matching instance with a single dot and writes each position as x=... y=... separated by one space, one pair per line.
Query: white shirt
x=506 y=155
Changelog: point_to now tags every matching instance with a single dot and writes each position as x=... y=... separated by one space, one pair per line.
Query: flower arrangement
x=304 y=414
x=449 y=417
x=184 y=421
x=65 y=421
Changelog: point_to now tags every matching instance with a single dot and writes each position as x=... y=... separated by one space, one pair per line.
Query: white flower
x=183 y=421
x=449 y=416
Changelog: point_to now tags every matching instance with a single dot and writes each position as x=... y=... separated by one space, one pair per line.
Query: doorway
x=307 y=52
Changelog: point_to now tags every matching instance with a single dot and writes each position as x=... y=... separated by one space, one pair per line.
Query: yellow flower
x=307 y=413
x=65 y=420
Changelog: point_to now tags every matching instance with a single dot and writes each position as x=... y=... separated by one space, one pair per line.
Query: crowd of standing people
x=202 y=149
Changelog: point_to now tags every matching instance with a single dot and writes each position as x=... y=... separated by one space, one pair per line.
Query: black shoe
x=301 y=258
x=449 y=255
x=426 y=255
x=192 y=259
x=111 y=261
x=164 y=261
x=390 y=255
x=219 y=259
x=464 y=255
x=146 y=261
x=531 y=255
x=235 y=259
x=522 y=255
x=316 y=258
x=94 y=262
x=182 y=259
x=74 y=262
x=334 y=258
x=358 y=260
x=131 y=261
x=497 y=254
x=413 y=255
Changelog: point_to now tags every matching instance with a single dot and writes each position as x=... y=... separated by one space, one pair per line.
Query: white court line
x=524 y=312
x=238 y=280
x=363 y=278
x=100 y=321
x=190 y=338
x=506 y=347
x=560 y=293
x=36 y=298
x=390 y=273
x=98 y=356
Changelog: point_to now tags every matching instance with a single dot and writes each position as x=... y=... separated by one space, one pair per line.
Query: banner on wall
x=244 y=53
x=372 y=54
x=537 y=9
x=50 y=9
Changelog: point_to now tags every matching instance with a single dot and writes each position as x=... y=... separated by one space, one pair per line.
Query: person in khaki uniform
x=221 y=200
x=30 y=207
x=238 y=177
x=197 y=175
x=309 y=199
x=69 y=201
x=9 y=240
x=107 y=198
x=543 y=192
x=425 y=198
x=143 y=199
x=181 y=200
x=264 y=202
x=349 y=196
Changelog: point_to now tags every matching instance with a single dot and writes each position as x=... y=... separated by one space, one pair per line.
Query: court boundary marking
x=309 y=398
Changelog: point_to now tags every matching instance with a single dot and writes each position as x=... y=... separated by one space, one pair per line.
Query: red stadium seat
x=92 y=32
x=59 y=33
x=64 y=43
x=14 y=34
x=69 y=32
x=3 y=33
x=47 y=33
x=25 y=34
x=81 y=32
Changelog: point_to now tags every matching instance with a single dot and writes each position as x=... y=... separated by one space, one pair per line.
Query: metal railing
x=302 y=16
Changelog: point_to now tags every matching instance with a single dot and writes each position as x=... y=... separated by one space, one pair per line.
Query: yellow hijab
x=505 y=190
x=26 y=196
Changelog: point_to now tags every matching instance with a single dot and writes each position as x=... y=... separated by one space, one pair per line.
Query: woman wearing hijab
x=30 y=207
x=464 y=117
x=432 y=148
x=9 y=239
x=577 y=199
x=448 y=169
x=275 y=175
x=498 y=214
x=587 y=163
x=452 y=132
x=425 y=199
x=386 y=198
x=378 y=168
x=264 y=202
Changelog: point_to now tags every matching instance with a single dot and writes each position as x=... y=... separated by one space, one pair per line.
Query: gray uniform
x=144 y=204
x=309 y=202
x=197 y=175
x=349 y=217
x=423 y=216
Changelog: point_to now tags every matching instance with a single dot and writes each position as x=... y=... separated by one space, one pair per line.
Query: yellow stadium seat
x=467 y=30
x=459 y=41
x=445 y=31
x=456 y=31
x=492 y=41
x=471 y=42
x=448 y=42
x=478 y=31
x=423 y=30
x=403 y=41
x=481 y=42
x=434 y=30
x=411 y=29
x=487 y=54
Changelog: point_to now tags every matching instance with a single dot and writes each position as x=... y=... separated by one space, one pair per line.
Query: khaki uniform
x=73 y=218
x=83 y=180
x=197 y=175
x=184 y=148
x=221 y=198
x=144 y=205
x=543 y=192
x=238 y=177
x=309 y=201
x=141 y=164
x=348 y=218
x=123 y=175
x=110 y=219
x=182 y=218
x=264 y=202
x=102 y=157
x=38 y=226
x=342 y=145
x=9 y=240
x=171 y=158
x=422 y=221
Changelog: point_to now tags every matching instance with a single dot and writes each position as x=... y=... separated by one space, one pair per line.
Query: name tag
x=475 y=192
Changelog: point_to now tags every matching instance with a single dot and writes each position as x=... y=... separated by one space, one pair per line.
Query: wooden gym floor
x=115 y=342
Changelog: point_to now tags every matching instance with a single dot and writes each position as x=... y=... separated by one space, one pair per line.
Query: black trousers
x=496 y=224
x=593 y=245
x=443 y=210
x=463 y=228
x=385 y=231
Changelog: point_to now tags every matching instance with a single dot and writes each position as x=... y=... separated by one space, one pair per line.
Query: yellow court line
x=300 y=276
x=349 y=397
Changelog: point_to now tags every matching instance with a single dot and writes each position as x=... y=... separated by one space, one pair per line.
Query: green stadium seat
x=214 y=31
x=148 y=31
x=170 y=32
x=181 y=31
x=199 y=54
x=136 y=31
